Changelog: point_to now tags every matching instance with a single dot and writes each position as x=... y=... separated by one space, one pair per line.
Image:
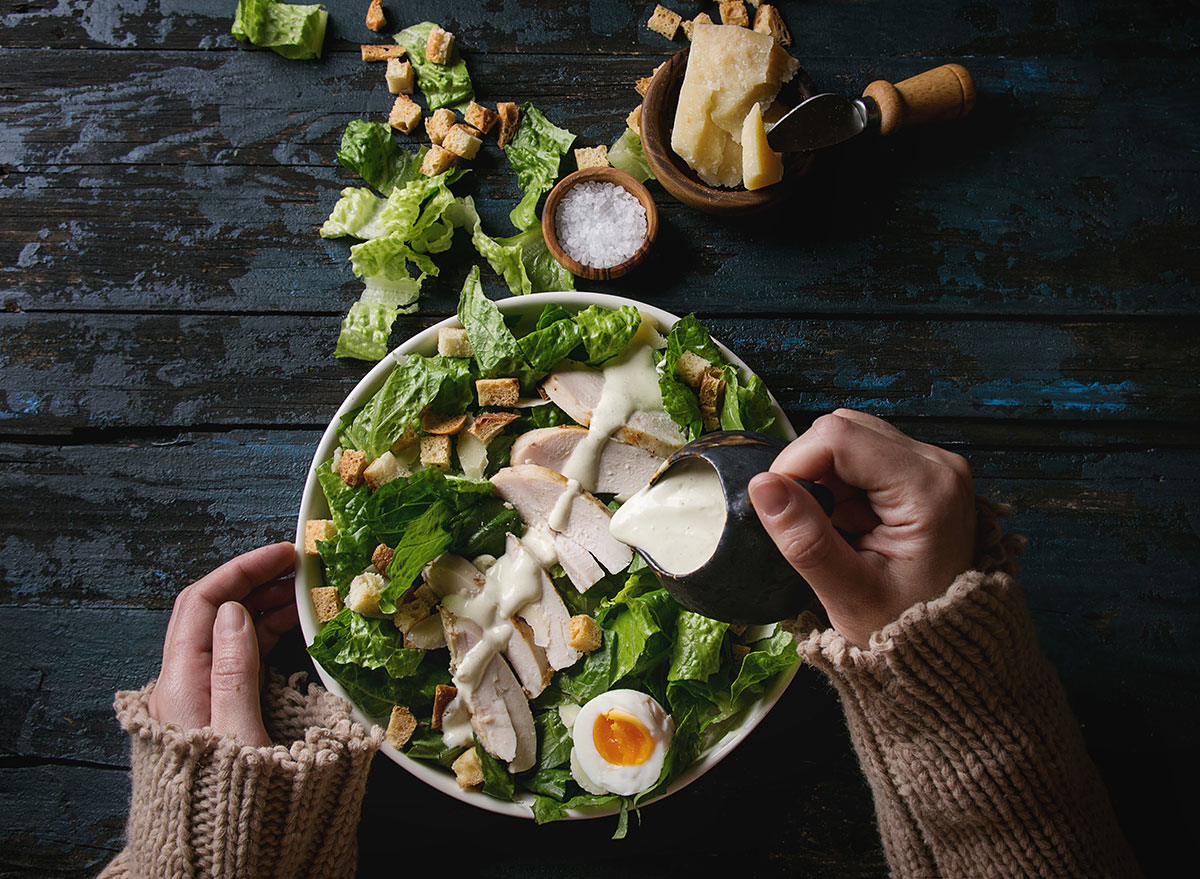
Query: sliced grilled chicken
x=576 y=390
x=528 y=660
x=534 y=490
x=500 y=712
x=548 y=619
x=623 y=468
x=581 y=568
x=451 y=574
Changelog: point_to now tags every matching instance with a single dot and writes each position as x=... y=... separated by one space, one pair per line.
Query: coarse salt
x=600 y=224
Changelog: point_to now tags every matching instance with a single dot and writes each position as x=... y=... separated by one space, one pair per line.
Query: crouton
x=405 y=440
x=438 y=125
x=734 y=12
x=436 y=161
x=462 y=141
x=489 y=425
x=405 y=115
x=767 y=20
x=665 y=22
x=453 y=342
x=376 y=20
x=443 y=425
x=443 y=695
x=634 y=120
x=592 y=157
x=480 y=117
x=438 y=45
x=381 y=53
x=643 y=84
x=326 y=602
x=315 y=530
x=754 y=3
x=738 y=629
x=399 y=77
x=583 y=633
x=351 y=467
x=510 y=118
x=364 y=593
x=498 y=391
x=691 y=368
x=435 y=451
x=468 y=771
x=382 y=557
x=383 y=469
x=702 y=18
x=401 y=726
x=712 y=390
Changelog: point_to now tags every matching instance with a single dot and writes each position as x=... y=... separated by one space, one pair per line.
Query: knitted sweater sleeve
x=976 y=763
x=205 y=806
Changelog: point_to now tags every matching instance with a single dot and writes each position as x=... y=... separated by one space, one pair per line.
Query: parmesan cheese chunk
x=729 y=70
x=761 y=166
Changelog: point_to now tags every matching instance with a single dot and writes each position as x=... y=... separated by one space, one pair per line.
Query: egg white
x=598 y=772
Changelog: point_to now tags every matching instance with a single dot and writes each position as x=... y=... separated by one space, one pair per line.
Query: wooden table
x=1021 y=286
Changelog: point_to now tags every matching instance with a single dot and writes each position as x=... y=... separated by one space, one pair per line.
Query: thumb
x=806 y=537
x=235 y=700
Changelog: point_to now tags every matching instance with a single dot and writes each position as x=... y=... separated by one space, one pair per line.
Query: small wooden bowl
x=599 y=175
x=658 y=118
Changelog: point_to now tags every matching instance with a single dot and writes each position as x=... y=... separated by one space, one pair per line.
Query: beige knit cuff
x=205 y=805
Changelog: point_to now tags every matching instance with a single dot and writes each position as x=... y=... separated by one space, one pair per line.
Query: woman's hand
x=211 y=668
x=907 y=510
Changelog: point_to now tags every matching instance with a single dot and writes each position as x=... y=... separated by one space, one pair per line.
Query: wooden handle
x=946 y=92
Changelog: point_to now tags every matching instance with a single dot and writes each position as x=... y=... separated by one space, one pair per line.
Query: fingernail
x=231 y=619
x=770 y=496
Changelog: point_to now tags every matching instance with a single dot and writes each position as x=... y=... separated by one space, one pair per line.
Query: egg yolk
x=621 y=739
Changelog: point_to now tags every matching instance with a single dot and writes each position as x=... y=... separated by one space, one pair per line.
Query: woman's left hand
x=221 y=627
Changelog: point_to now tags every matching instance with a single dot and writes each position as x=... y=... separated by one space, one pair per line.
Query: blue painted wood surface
x=1021 y=286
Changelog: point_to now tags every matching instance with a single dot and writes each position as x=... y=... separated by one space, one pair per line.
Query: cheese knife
x=946 y=92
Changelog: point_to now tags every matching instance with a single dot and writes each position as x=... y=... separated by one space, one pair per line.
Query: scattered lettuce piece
x=444 y=85
x=534 y=153
x=356 y=213
x=605 y=333
x=545 y=273
x=523 y=260
x=370 y=150
x=493 y=345
x=293 y=31
x=626 y=153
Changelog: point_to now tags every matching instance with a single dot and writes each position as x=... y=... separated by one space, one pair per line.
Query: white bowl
x=308 y=569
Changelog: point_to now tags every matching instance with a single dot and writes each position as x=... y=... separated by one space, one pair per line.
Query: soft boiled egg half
x=621 y=740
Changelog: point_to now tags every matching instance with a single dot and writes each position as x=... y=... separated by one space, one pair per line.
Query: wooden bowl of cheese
x=740 y=86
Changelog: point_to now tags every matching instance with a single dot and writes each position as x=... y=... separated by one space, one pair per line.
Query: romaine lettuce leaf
x=543 y=348
x=523 y=260
x=696 y=653
x=606 y=332
x=766 y=659
x=346 y=556
x=415 y=383
x=356 y=213
x=293 y=31
x=366 y=329
x=345 y=502
x=556 y=783
x=444 y=85
x=626 y=153
x=426 y=744
x=534 y=153
x=547 y=809
x=369 y=150
x=554 y=739
x=494 y=347
x=496 y=780
x=545 y=273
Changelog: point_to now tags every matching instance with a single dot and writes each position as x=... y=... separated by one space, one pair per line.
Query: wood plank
x=1013 y=210
x=75 y=372
x=1019 y=28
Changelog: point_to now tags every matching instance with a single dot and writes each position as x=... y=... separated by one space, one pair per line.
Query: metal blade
x=819 y=122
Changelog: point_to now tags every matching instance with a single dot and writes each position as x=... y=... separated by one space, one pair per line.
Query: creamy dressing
x=561 y=514
x=630 y=385
x=678 y=520
x=510 y=584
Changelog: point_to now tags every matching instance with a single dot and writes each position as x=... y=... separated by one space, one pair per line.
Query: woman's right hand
x=907 y=510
